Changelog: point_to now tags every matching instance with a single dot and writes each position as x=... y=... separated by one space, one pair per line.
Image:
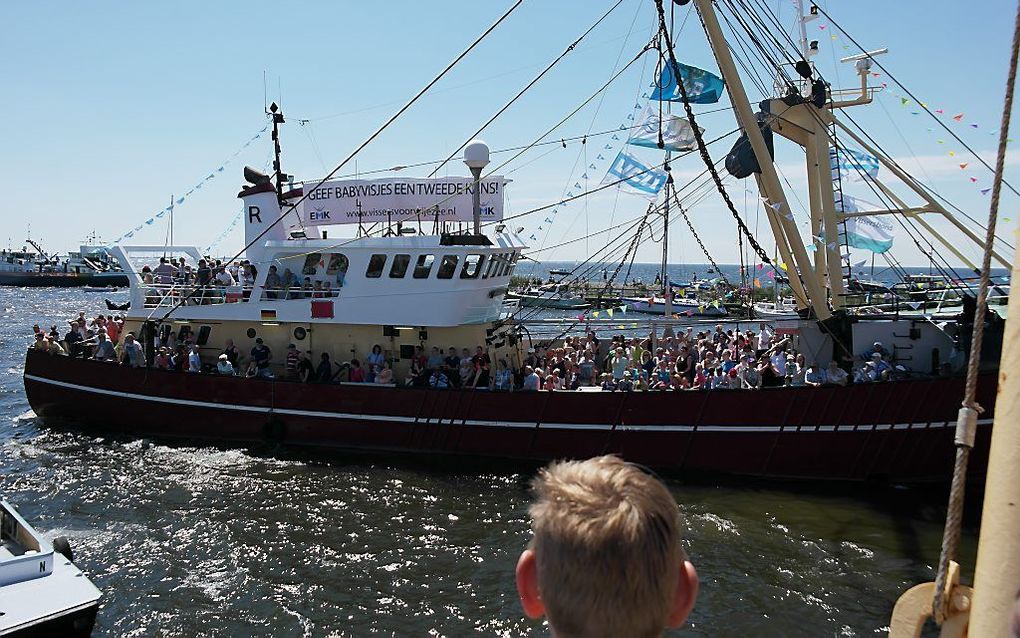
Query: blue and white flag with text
x=636 y=176
x=702 y=87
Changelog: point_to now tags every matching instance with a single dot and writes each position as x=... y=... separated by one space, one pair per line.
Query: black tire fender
x=275 y=430
x=63 y=546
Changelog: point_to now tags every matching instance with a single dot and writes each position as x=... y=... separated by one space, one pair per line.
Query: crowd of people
x=213 y=281
x=719 y=359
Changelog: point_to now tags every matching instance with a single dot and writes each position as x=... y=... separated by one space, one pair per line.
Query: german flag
x=268 y=314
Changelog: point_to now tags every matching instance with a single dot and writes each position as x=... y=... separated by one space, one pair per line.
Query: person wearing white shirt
x=223 y=366
x=194 y=360
x=835 y=375
x=763 y=338
x=224 y=278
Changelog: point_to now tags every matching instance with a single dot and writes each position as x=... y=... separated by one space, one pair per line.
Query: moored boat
x=554 y=296
x=42 y=591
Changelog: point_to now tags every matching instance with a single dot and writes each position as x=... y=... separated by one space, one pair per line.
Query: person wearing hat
x=223 y=365
x=879 y=367
x=794 y=371
x=626 y=384
x=876 y=348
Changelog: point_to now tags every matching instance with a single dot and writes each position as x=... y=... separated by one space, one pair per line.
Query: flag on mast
x=677 y=133
x=702 y=87
x=636 y=177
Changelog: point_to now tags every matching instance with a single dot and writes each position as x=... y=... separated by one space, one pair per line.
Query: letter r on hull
x=254 y=214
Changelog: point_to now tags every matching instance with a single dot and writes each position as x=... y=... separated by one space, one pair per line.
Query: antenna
x=865 y=55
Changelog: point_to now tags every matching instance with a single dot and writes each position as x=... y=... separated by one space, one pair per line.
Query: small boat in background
x=554 y=296
x=42 y=591
x=784 y=309
x=691 y=307
x=560 y=272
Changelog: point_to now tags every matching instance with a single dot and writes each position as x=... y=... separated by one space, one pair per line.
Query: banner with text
x=401 y=199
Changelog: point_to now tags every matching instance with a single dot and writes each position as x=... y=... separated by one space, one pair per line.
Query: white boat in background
x=554 y=296
x=785 y=309
x=680 y=306
x=42 y=592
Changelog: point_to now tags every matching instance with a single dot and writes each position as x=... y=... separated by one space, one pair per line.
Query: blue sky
x=112 y=107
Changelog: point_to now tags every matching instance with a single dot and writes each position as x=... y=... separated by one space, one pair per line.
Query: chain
x=700 y=244
x=702 y=147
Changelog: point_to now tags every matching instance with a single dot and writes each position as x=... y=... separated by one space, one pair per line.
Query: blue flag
x=702 y=86
x=635 y=175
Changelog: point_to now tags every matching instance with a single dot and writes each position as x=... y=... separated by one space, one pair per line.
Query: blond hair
x=607 y=548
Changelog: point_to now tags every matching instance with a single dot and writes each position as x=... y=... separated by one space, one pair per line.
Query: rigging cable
x=527 y=86
x=918 y=102
x=966 y=424
x=702 y=148
x=374 y=135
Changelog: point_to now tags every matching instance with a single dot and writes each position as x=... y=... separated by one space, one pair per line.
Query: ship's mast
x=278 y=171
x=806 y=283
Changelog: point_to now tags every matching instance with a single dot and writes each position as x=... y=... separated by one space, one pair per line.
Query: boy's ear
x=527 y=585
x=686 y=594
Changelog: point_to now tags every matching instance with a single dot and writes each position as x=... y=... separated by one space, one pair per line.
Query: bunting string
x=180 y=200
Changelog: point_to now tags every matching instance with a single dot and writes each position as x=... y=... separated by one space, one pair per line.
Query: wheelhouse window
x=447 y=267
x=375 y=266
x=337 y=267
x=423 y=267
x=399 y=267
x=493 y=261
x=472 y=266
x=337 y=264
x=311 y=264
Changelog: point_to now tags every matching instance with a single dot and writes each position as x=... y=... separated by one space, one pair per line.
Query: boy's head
x=605 y=559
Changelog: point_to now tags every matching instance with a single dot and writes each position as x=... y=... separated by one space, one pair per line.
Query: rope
x=914 y=97
x=702 y=245
x=967 y=421
x=533 y=82
x=702 y=148
x=374 y=135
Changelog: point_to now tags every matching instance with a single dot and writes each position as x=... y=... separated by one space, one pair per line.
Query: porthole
x=251 y=333
x=300 y=333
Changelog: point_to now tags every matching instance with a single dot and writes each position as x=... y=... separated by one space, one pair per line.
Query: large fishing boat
x=391 y=289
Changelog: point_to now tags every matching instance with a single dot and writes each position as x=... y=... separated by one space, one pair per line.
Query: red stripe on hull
x=782 y=433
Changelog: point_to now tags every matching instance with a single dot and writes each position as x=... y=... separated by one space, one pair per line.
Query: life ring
x=63 y=546
x=275 y=430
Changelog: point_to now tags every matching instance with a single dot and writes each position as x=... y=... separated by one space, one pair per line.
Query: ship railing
x=174 y=294
x=297 y=292
x=170 y=295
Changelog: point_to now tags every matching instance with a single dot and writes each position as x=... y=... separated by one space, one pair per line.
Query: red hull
x=900 y=431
